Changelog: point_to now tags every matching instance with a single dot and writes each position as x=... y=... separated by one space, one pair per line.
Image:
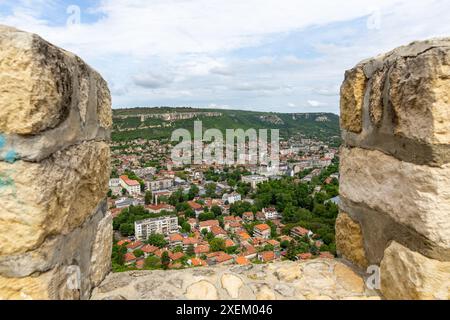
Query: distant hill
x=158 y=123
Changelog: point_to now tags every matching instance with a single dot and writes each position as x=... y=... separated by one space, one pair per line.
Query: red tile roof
x=176 y=255
x=262 y=227
x=129 y=182
x=149 y=248
x=201 y=249
x=194 y=205
x=242 y=260
x=209 y=223
x=267 y=255
x=134 y=245
x=129 y=257
x=176 y=237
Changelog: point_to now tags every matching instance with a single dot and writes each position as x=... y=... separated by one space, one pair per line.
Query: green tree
x=216 y=210
x=165 y=260
x=148 y=197
x=157 y=240
x=190 y=251
x=138 y=253
x=193 y=192
x=217 y=244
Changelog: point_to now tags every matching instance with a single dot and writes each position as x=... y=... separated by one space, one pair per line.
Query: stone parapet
x=395 y=169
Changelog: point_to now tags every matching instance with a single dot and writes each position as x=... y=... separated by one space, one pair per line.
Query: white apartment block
x=160 y=184
x=270 y=213
x=231 y=197
x=254 y=180
x=161 y=225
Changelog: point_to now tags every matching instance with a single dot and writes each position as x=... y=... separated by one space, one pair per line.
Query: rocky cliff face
x=395 y=169
x=55 y=119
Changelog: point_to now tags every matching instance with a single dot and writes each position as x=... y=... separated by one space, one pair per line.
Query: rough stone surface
x=53 y=196
x=405 y=106
x=55 y=120
x=202 y=290
x=352 y=96
x=101 y=251
x=317 y=278
x=379 y=229
x=413 y=195
x=349 y=240
x=406 y=274
x=50 y=99
x=232 y=284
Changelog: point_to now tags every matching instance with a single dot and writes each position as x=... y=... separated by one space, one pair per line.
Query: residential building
x=248 y=216
x=231 y=197
x=133 y=187
x=208 y=224
x=161 y=225
x=300 y=232
x=262 y=231
x=159 y=184
x=270 y=213
x=175 y=240
x=266 y=256
x=254 y=180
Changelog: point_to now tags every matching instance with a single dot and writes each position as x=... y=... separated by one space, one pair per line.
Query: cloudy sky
x=268 y=55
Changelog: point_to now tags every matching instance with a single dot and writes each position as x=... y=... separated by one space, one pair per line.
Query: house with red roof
x=134 y=246
x=262 y=231
x=175 y=239
x=266 y=256
x=300 y=232
x=129 y=258
x=217 y=231
x=208 y=224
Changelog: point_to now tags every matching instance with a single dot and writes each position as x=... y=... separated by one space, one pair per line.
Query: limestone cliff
x=395 y=169
x=55 y=120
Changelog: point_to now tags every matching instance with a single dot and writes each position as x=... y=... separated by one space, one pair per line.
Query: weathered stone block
x=406 y=274
x=405 y=109
x=49 y=98
x=349 y=240
x=352 y=99
x=414 y=195
x=51 y=197
x=56 y=284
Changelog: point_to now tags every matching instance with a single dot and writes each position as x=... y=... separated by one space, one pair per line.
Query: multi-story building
x=270 y=213
x=254 y=180
x=161 y=225
x=132 y=186
x=159 y=184
x=231 y=197
x=262 y=231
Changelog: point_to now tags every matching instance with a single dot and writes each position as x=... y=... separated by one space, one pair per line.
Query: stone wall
x=55 y=121
x=395 y=169
x=318 y=279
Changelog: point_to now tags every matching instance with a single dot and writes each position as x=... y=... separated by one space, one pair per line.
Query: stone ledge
x=317 y=279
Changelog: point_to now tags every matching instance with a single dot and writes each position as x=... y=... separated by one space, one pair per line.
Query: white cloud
x=226 y=52
x=314 y=103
